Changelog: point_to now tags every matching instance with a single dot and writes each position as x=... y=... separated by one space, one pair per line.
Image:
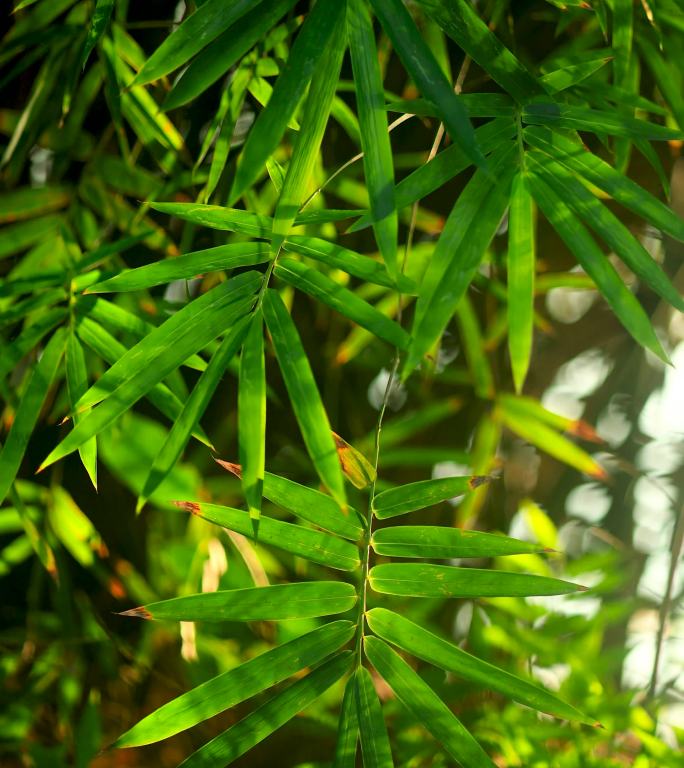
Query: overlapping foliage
x=251 y=224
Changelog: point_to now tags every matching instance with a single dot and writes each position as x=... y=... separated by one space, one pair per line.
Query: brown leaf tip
x=586 y=432
x=477 y=480
x=139 y=613
x=235 y=469
x=582 y=588
x=551 y=551
x=188 y=506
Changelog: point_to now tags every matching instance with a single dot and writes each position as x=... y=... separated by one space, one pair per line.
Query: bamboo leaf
x=474 y=347
x=375 y=744
x=252 y=415
x=433 y=541
x=521 y=273
x=421 y=64
x=596 y=265
x=425 y=493
x=375 y=142
x=185 y=267
x=98 y=24
x=271 y=603
x=420 y=642
x=306 y=402
x=304 y=58
x=342 y=300
x=29 y=202
x=347 y=729
x=312 y=545
x=29 y=409
x=238 y=684
x=192 y=411
x=356 y=467
x=270 y=716
x=425 y=705
x=218 y=217
x=567 y=77
x=77 y=384
x=425 y=580
x=197 y=31
x=534 y=409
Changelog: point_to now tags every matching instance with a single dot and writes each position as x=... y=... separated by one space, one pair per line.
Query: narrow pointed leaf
x=27 y=340
x=596 y=265
x=77 y=384
x=420 y=642
x=569 y=76
x=218 y=217
x=375 y=142
x=342 y=300
x=356 y=467
x=252 y=415
x=421 y=64
x=434 y=541
x=521 y=272
x=254 y=728
x=425 y=580
x=312 y=545
x=425 y=705
x=185 y=267
x=238 y=684
x=474 y=348
x=29 y=409
x=308 y=504
x=375 y=744
x=532 y=408
x=347 y=729
x=424 y=493
x=192 y=411
x=305 y=56
x=304 y=397
x=468 y=30
x=197 y=31
x=272 y=603
x=314 y=121
x=98 y=24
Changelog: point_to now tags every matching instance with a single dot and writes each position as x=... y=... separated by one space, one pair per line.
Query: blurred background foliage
x=82 y=152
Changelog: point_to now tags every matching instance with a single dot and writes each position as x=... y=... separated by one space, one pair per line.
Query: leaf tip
x=235 y=469
x=140 y=613
x=188 y=506
x=477 y=480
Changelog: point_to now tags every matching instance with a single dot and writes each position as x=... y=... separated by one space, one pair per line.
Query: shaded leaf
x=77 y=384
x=347 y=729
x=375 y=744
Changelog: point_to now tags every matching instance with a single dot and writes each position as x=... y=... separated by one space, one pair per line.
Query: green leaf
x=567 y=77
x=433 y=541
x=98 y=24
x=425 y=705
x=347 y=729
x=29 y=202
x=612 y=231
x=312 y=545
x=531 y=408
x=270 y=716
x=466 y=235
x=308 y=504
x=304 y=58
x=218 y=217
x=77 y=384
x=425 y=493
x=469 y=31
x=204 y=25
x=375 y=744
x=306 y=402
x=596 y=265
x=596 y=121
x=342 y=300
x=521 y=273
x=252 y=415
x=220 y=55
x=185 y=267
x=573 y=155
x=238 y=684
x=307 y=145
x=27 y=340
x=192 y=410
x=425 y=580
x=414 y=639
x=26 y=416
x=375 y=142
x=475 y=350
x=271 y=603
x=476 y=104
x=158 y=354
x=421 y=64
x=352 y=263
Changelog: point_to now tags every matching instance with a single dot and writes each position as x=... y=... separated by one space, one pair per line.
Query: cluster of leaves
x=88 y=336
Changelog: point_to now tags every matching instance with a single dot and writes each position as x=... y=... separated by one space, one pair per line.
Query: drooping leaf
x=420 y=642
x=312 y=545
x=425 y=493
x=425 y=580
x=271 y=603
x=425 y=705
x=238 y=684
x=375 y=744
x=304 y=397
x=360 y=472
x=101 y=15
x=347 y=729
x=77 y=384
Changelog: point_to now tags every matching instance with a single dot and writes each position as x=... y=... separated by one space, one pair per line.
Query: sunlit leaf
x=348 y=729
x=355 y=465
x=375 y=744
x=425 y=493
